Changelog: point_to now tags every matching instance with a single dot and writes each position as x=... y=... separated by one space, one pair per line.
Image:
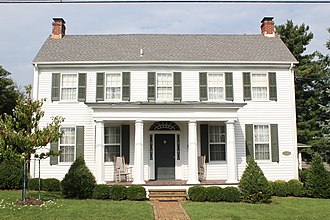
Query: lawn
x=58 y=208
x=281 y=208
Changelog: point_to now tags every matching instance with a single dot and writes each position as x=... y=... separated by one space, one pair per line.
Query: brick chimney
x=58 y=31
x=267 y=27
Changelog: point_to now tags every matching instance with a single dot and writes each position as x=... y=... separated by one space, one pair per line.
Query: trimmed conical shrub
x=253 y=185
x=79 y=182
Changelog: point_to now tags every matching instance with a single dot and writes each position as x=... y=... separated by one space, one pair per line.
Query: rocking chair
x=201 y=168
x=121 y=170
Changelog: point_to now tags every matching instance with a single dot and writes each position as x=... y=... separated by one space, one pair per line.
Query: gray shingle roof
x=157 y=47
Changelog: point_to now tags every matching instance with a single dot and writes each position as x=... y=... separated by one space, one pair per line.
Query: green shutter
x=177 y=86
x=151 y=86
x=56 y=80
x=79 y=141
x=126 y=86
x=100 y=87
x=229 y=86
x=272 y=86
x=274 y=142
x=53 y=147
x=247 y=86
x=82 y=87
x=249 y=140
x=205 y=141
x=125 y=140
x=203 y=86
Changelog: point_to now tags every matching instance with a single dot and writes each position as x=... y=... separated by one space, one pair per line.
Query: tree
x=8 y=92
x=20 y=133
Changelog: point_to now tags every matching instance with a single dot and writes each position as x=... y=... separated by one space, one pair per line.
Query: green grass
x=281 y=208
x=58 y=208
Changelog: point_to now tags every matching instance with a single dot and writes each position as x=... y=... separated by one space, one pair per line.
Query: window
x=216 y=86
x=113 y=86
x=69 y=87
x=261 y=142
x=111 y=143
x=164 y=86
x=217 y=142
x=67 y=144
x=259 y=84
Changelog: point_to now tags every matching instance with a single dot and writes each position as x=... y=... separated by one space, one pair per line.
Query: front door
x=165 y=156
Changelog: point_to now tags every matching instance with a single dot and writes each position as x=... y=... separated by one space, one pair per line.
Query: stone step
x=167 y=194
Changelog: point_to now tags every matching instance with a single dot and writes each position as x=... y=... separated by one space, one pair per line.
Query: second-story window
x=216 y=86
x=164 y=86
x=69 y=87
x=259 y=84
x=113 y=86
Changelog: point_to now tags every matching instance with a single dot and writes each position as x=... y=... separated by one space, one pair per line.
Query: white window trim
x=209 y=145
x=105 y=86
x=172 y=87
x=267 y=85
x=270 y=146
x=61 y=87
x=75 y=145
x=223 y=86
x=120 y=144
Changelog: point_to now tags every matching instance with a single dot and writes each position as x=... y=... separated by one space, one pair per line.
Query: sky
x=25 y=27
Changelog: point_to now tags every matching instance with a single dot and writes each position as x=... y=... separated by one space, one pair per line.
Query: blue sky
x=24 y=28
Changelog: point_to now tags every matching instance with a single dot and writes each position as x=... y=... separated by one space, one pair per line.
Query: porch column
x=138 y=177
x=192 y=153
x=231 y=152
x=99 y=152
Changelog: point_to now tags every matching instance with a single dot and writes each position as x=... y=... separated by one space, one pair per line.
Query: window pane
x=217 y=152
x=110 y=152
x=113 y=92
x=113 y=86
x=217 y=142
x=164 y=92
x=261 y=139
x=69 y=80
x=67 y=153
x=69 y=87
x=69 y=93
x=112 y=135
x=259 y=86
x=259 y=93
x=262 y=151
x=216 y=86
x=68 y=136
x=164 y=79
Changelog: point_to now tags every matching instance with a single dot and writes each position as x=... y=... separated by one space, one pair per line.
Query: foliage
x=51 y=185
x=137 y=193
x=10 y=173
x=303 y=175
x=118 y=192
x=34 y=184
x=318 y=179
x=253 y=184
x=280 y=188
x=79 y=182
x=101 y=191
x=231 y=194
x=8 y=92
x=295 y=188
x=214 y=194
x=197 y=193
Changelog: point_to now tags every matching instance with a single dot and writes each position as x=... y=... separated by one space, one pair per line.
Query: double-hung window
x=261 y=142
x=259 y=84
x=216 y=85
x=113 y=86
x=69 y=85
x=67 y=144
x=217 y=142
x=112 y=142
x=164 y=86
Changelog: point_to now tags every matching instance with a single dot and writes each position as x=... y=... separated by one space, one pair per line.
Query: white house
x=162 y=100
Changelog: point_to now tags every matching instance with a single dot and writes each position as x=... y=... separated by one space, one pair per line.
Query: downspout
x=35 y=87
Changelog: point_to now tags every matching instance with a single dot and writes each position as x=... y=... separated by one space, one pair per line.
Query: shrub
x=280 y=188
x=101 y=191
x=11 y=174
x=303 y=175
x=318 y=179
x=214 y=194
x=33 y=184
x=197 y=193
x=51 y=185
x=231 y=194
x=136 y=193
x=253 y=184
x=79 y=182
x=118 y=192
x=295 y=188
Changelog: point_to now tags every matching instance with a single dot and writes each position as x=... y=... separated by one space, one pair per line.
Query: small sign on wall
x=286 y=153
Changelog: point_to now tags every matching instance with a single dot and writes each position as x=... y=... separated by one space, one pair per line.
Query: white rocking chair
x=201 y=167
x=121 y=170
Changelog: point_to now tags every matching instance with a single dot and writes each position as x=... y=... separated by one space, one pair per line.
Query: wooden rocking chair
x=201 y=167
x=122 y=173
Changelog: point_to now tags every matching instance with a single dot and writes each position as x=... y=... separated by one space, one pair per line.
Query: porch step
x=167 y=194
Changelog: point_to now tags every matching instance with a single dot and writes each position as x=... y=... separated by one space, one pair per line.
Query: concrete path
x=169 y=211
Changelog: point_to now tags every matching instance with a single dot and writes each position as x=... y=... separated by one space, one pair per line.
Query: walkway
x=169 y=210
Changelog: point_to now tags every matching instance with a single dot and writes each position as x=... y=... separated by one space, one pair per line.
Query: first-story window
x=217 y=142
x=67 y=144
x=113 y=86
x=164 y=86
x=111 y=143
x=69 y=85
x=261 y=142
x=216 y=86
x=259 y=83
